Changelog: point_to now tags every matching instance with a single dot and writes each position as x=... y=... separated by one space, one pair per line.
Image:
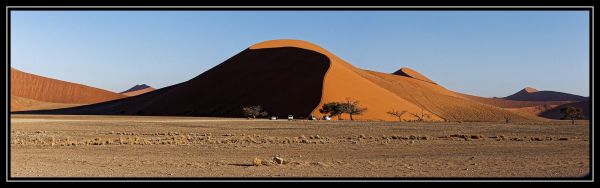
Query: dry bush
x=536 y=139
x=256 y=162
x=476 y=136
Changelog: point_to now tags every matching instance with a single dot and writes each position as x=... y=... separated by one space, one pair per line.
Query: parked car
x=290 y=117
x=326 y=118
x=273 y=118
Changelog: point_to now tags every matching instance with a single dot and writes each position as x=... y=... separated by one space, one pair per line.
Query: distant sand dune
x=138 y=90
x=505 y=103
x=554 y=113
x=534 y=105
x=441 y=101
x=531 y=94
x=412 y=74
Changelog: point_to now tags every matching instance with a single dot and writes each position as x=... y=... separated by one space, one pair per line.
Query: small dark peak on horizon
x=408 y=72
x=529 y=90
x=136 y=87
x=532 y=94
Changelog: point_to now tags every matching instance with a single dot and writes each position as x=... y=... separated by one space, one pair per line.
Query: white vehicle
x=326 y=118
x=290 y=117
x=273 y=118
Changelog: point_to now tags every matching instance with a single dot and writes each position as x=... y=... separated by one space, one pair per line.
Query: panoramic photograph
x=312 y=94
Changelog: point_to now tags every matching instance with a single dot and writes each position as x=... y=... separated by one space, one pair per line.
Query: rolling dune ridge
x=33 y=92
x=297 y=77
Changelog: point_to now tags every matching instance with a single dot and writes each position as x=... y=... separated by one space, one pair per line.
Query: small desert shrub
x=256 y=162
x=52 y=141
x=476 y=136
x=536 y=139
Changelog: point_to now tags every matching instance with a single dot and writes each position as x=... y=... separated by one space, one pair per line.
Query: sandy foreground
x=125 y=146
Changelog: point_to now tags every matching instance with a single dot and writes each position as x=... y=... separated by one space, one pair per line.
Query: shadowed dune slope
x=554 y=113
x=405 y=71
x=443 y=102
x=44 y=89
x=283 y=81
x=530 y=94
x=137 y=90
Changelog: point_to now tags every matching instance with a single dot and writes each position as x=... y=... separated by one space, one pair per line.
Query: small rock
x=278 y=160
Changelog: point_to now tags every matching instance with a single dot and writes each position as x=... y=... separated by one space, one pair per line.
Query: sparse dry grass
x=174 y=138
x=308 y=148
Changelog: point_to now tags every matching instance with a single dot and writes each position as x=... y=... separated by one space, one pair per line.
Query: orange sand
x=412 y=74
x=21 y=104
x=28 y=89
x=343 y=80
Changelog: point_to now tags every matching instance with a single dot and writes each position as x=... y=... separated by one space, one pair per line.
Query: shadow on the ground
x=238 y=164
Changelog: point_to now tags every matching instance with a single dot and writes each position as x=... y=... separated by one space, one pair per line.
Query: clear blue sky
x=486 y=53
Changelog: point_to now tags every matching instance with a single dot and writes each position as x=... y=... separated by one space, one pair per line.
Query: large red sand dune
x=297 y=77
x=346 y=81
x=282 y=80
x=40 y=88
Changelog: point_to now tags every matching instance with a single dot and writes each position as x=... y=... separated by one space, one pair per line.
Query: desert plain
x=148 y=146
